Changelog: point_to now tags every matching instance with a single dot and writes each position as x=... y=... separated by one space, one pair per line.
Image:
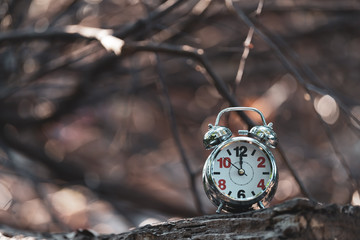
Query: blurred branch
x=83 y=94
x=75 y=32
x=283 y=59
x=179 y=27
x=71 y=7
x=131 y=48
x=117 y=46
x=294 y=173
x=223 y=90
x=69 y=33
x=74 y=174
x=308 y=87
x=34 y=181
x=355 y=184
x=289 y=65
x=323 y=89
x=318 y=5
x=17 y=10
x=123 y=49
x=65 y=170
x=193 y=53
x=247 y=46
x=161 y=11
x=175 y=132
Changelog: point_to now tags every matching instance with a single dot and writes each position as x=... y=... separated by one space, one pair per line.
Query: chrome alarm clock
x=240 y=174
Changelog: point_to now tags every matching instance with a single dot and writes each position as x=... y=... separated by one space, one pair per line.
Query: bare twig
x=197 y=11
x=292 y=69
x=72 y=32
x=196 y=54
x=74 y=174
x=308 y=87
x=225 y=92
x=175 y=132
x=118 y=47
x=355 y=184
x=169 y=111
x=130 y=48
x=161 y=11
x=294 y=173
x=323 y=90
x=34 y=181
x=247 y=46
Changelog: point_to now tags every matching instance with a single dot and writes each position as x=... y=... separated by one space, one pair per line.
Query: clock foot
x=220 y=207
x=261 y=205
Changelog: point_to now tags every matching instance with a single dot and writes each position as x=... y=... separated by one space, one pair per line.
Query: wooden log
x=294 y=219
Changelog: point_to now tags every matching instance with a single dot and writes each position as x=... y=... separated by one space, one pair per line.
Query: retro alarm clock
x=240 y=173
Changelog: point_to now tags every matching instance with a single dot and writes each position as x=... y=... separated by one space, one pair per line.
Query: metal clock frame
x=225 y=203
x=219 y=137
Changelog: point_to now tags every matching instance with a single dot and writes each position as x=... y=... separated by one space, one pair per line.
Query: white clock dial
x=241 y=170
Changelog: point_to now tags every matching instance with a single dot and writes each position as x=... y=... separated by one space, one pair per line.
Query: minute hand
x=232 y=163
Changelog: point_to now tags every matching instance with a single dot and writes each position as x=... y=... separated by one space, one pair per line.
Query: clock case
x=219 y=137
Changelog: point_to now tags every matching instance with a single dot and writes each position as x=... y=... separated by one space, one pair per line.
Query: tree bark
x=294 y=219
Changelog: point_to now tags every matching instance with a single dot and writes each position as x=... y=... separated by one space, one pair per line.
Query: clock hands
x=241 y=170
x=229 y=161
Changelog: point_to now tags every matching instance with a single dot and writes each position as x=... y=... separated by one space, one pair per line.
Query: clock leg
x=261 y=205
x=220 y=207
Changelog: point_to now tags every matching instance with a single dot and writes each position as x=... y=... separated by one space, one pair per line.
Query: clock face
x=241 y=170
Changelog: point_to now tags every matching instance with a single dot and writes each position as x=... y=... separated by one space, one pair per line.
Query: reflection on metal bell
x=265 y=134
x=215 y=136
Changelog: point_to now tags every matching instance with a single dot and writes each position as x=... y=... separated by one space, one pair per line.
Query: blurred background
x=94 y=137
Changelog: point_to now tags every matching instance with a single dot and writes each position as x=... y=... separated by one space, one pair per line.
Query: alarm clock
x=240 y=173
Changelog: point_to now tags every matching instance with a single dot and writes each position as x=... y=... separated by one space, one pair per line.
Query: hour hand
x=241 y=170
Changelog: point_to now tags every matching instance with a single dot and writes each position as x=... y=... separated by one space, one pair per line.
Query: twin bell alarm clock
x=240 y=173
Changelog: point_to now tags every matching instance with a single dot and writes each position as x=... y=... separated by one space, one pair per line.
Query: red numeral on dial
x=261 y=184
x=224 y=162
x=222 y=184
x=261 y=161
